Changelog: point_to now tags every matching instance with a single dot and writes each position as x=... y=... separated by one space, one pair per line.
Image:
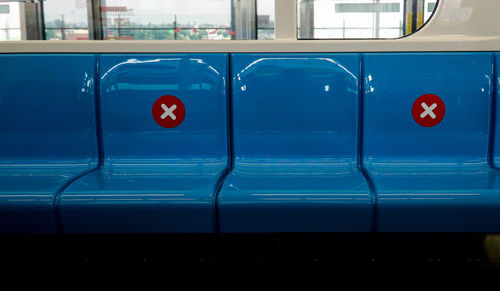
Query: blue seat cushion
x=27 y=194
x=295 y=199
x=433 y=199
x=141 y=199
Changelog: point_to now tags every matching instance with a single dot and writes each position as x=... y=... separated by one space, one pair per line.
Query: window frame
x=443 y=33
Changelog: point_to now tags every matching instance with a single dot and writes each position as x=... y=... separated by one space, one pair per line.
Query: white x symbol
x=168 y=111
x=428 y=110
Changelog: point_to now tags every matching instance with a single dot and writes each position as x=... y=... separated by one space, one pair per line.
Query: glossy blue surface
x=47 y=135
x=439 y=200
x=155 y=179
x=496 y=134
x=430 y=179
x=295 y=146
x=294 y=138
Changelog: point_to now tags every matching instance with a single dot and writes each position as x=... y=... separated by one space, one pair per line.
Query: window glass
x=187 y=19
x=265 y=19
x=136 y=20
x=10 y=21
x=66 y=20
x=166 y=19
x=361 y=19
x=430 y=6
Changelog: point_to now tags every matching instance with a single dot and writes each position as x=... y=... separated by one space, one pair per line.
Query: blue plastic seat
x=155 y=179
x=431 y=179
x=295 y=120
x=47 y=135
x=439 y=200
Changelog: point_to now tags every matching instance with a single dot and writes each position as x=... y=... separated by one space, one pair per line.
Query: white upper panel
x=458 y=25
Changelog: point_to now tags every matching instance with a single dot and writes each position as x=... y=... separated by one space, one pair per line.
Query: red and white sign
x=428 y=110
x=169 y=111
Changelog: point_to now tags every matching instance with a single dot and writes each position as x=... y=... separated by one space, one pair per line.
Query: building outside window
x=66 y=20
x=361 y=19
x=10 y=21
x=160 y=19
x=115 y=20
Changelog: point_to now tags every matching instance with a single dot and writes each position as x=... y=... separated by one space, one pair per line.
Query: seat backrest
x=295 y=108
x=393 y=140
x=129 y=88
x=47 y=110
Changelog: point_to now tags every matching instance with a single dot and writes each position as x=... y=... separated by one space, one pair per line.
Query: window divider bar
x=286 y=19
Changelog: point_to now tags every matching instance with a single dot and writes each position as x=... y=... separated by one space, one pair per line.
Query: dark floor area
x=260 y=252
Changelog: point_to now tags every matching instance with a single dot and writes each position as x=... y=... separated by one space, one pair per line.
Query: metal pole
x=63 y=34
x=408 y=16
x=343 y=28
x=420 y=13
x=414 y=23
x=306 y=19
x=256 y=21
x=95 y=19
x=244 y=19
x=233 y=20
x=41 y=20
x=22 y=12
x=377 y=21
x=175 y=26
x=119 y=25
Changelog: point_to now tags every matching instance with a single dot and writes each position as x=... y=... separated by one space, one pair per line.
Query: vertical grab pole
x=306 y=12
x=95 y=19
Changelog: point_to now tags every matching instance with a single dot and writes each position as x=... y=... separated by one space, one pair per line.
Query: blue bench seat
x=47 y=135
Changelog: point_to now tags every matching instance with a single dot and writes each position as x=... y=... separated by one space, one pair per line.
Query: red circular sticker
x=169 y=111
x=428 y=110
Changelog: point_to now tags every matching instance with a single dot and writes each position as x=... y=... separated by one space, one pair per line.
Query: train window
x=361 y=19
x=429 y=7
x=187 y=19
x=265 y=19
x=136 y=20
x=10 y=21
x=65 y=20
x=157 y=19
